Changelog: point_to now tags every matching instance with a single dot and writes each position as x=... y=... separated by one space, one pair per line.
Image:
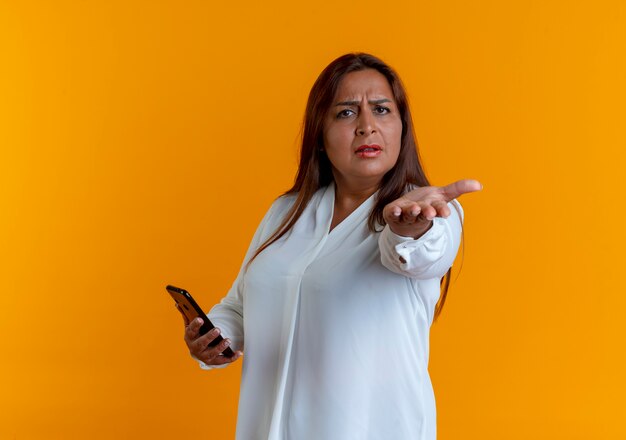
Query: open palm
x=411 y=215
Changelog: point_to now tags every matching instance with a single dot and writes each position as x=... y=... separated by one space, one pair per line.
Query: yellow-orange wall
x=142 y=141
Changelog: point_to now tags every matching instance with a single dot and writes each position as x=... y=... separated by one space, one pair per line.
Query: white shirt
x=336 y=326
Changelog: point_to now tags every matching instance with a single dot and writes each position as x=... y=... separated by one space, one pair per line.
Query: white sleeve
x=431 y=255
x=227 y=315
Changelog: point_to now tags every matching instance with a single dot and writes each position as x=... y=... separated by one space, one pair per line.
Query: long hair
x=314 y=170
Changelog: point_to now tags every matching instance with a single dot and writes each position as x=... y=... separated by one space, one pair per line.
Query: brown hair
x=315 y=171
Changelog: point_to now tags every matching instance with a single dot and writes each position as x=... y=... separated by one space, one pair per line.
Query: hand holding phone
x=204 y=341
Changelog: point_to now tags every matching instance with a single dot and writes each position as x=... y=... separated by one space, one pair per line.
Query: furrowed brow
x=354 y=103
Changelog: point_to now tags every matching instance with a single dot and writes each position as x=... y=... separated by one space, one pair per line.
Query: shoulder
x=279 y=209
x=283 y=203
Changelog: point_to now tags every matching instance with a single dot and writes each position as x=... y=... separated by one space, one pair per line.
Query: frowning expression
x=362 y=129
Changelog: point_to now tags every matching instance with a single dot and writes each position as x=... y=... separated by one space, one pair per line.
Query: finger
x=460 y=187
x=221 y=360
x=400 y=210
x=191 y=331
x=441 y=207
x=202 y=342
x=392 y=212
x=185 y=319
x=410 y=213
x=428 y=213
x=213 y=352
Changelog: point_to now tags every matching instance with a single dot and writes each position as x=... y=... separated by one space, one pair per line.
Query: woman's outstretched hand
x=199 y=345
x=411 y=215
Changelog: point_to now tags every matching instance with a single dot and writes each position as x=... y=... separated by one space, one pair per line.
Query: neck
x=354 y=193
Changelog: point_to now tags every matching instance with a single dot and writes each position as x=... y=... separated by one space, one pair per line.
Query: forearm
x=424 y=256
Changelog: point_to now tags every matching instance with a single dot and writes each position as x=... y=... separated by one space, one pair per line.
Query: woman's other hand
x=199 y=345
x=411 y=215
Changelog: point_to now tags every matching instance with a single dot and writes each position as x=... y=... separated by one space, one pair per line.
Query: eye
x=344 y=113
x=379 y=109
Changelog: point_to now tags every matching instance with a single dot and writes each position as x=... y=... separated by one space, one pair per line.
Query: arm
x=430 y=255
x=227 y=315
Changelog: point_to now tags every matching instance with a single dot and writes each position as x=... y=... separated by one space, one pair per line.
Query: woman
x=340 y=284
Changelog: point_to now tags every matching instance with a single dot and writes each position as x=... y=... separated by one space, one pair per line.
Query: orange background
x=141 y=143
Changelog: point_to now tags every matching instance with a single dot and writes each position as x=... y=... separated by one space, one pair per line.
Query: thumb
x=460 y=187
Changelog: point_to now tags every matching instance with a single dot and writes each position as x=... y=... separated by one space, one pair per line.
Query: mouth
x=368 y=150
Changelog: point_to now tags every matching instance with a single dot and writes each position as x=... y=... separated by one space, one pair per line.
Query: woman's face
x=362 y=129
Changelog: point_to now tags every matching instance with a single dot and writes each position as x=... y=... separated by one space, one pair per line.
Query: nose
x=365 y=124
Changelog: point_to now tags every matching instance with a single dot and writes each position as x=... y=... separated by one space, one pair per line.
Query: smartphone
x=192 y=310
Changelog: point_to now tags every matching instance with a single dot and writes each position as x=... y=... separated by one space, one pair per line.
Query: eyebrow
x=375 y=101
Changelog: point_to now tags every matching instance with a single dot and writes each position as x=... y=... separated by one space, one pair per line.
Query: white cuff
x=416 y=258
